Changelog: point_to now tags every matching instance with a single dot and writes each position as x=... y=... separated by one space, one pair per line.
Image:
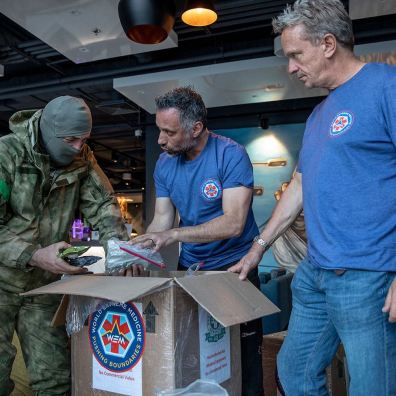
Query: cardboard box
x=336 y=373
x=271 y=346
x=159 y=332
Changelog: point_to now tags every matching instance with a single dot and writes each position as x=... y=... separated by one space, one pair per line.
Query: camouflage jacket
x=38 y=203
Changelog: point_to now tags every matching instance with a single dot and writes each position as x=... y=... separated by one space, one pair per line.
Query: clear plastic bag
x=121 y=255
x=193 y=268
x=78 y=310
x=197 y=388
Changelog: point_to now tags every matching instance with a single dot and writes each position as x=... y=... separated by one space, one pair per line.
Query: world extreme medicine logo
x=211 y=189
x=341 y=123
x=117 y=336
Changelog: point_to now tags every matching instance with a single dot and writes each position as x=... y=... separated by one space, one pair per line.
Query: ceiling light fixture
x=273 y=163
x=264 y=122
x=199 y=13
x=147 y=21
x=273 y=87
x=127 y=176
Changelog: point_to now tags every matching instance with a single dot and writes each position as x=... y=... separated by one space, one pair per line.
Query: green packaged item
x=72 y=252
x=71 y=256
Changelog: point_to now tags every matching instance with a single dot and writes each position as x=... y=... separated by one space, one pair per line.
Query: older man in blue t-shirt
x=208 y=179
x=345 y=291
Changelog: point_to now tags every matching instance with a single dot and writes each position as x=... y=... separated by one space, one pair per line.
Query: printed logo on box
x=211 y=189
x=341 y=123
x=215 y=330
x=117 y=336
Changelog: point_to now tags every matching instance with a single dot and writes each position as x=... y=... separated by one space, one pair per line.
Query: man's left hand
x=155 y=240
x=247 y=263
x=134 y=271
x=390 y=302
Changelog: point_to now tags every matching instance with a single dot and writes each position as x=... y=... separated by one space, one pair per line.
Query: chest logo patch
x=341 y=123
x=117 y=336
x=211 y=189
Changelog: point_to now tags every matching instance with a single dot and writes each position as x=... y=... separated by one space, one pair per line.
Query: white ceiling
x=224 y=84
x=69 y=26
x=371 y=8
x=234 y=83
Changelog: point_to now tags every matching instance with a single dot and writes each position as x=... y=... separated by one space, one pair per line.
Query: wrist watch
x=261 y=242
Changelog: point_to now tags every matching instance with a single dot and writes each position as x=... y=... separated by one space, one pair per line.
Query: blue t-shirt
x=348 y=165
x=196 y=189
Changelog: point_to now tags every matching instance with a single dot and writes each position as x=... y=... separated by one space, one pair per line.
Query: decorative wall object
x=280 y=142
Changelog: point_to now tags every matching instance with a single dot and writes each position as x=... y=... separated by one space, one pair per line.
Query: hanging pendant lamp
x=199 y=13
x=147 y=21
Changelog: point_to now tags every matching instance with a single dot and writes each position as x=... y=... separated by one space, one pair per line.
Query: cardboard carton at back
x=162 y=332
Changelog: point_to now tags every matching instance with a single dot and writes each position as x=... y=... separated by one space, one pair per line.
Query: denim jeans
x=329 y=309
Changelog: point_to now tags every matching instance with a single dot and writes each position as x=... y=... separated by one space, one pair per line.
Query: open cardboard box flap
x=223 y=295
x=114 y=288
x=229 y=300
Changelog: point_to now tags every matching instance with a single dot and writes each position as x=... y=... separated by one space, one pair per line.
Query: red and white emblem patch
x=211 y=189
x=341 y=123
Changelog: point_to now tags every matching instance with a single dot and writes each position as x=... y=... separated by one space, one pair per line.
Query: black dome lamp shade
x=147 y=21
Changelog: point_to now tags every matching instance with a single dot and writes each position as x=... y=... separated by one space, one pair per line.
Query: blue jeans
x=329 y=309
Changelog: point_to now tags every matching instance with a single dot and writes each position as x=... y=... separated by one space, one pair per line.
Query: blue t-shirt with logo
x=196 y=189
x=348 y=166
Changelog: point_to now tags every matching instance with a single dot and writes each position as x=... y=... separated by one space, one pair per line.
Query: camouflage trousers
x=44 y=347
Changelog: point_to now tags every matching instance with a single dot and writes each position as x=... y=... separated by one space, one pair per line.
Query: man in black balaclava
x=47 y=174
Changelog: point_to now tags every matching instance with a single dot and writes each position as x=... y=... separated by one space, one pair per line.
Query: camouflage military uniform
x=37 y=207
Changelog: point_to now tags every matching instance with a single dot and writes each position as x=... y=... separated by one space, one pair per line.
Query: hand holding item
x=72 y=255
x=48 y=259
x=154 y=240
x=134 y=270
x=131 y=260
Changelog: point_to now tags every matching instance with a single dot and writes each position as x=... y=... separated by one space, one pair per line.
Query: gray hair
x=188 y=102
x=319 y=18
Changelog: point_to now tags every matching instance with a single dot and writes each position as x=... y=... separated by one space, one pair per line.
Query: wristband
x=264 y=244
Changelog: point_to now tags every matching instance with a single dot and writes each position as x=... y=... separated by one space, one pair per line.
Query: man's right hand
x=248 y=262
x=155 y=240
x=48 y=260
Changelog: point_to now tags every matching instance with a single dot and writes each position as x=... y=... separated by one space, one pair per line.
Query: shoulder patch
x=4 y=190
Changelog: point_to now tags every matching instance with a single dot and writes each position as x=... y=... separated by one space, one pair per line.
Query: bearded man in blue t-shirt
x=208 y=179
x=345 y=291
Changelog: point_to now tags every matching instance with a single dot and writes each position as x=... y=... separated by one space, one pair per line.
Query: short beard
x=184 y=148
